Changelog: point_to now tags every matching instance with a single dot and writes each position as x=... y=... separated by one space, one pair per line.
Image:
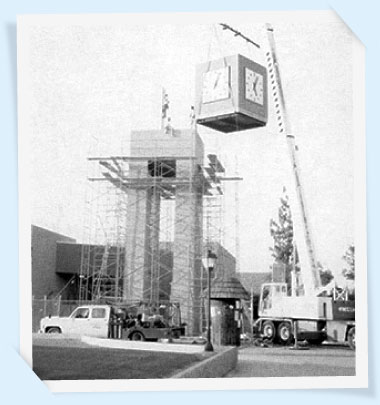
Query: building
x=56 y=264
x=46 y=280
x=57 y=261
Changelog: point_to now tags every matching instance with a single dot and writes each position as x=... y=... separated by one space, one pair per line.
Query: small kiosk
x=226 y=310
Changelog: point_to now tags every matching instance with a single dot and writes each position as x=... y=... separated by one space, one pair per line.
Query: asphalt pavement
x=285 y=362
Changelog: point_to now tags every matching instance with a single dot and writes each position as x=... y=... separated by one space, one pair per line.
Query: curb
x=149 y=346
x=214 y=367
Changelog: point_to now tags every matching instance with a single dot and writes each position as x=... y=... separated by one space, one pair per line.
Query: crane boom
x=321 y=317
x=285 y=128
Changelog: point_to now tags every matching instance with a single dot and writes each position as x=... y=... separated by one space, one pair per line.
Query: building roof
x=228 y=287
x=252 y=281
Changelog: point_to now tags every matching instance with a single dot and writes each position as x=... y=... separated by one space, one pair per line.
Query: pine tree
x=282 y=233
x=349 y=258
x=325 y=273
x=283 y=244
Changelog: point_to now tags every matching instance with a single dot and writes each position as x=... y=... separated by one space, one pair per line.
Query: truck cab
x=89 y=320
x=269 y=292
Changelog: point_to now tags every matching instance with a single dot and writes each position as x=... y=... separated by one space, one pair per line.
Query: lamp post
x=209 y=264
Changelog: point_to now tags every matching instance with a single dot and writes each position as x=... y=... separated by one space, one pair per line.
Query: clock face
x=254 y=86
x=216 y=85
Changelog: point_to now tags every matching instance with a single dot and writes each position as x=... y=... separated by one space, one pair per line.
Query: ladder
x=101 y=274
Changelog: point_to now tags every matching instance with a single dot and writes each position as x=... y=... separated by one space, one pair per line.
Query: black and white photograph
x=192 y=201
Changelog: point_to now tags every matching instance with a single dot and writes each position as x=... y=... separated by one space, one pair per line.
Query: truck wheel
x=138 y=336
x=53 y=330
x=351 y=338
x=269 y=331
x=284 y=333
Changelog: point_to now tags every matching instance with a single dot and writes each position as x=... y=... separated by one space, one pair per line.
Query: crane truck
x=317 y=313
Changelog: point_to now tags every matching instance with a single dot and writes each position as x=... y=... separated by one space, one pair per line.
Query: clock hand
x=254 y=84
x=217 y=80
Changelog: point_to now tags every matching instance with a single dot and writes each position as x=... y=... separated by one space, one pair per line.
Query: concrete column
x=187 y=251
x=135 y=252
x=152 y=246
x=141 y=271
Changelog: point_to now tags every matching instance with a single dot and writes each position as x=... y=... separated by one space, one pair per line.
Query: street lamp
x=209 y=264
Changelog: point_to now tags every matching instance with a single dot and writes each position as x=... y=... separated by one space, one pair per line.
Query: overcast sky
x=90 y=83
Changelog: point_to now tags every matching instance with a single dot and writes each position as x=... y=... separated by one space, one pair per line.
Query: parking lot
x=285 y=362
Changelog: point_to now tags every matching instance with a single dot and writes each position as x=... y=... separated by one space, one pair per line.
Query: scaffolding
x=150 y=217
x=102 y=258
x=213 y=204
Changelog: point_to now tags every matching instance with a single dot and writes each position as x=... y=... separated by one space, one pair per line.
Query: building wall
x=68 y=258
x=225 y=265
x=45 y=280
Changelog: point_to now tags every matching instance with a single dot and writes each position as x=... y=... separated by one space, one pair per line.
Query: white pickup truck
x=104 y=321
x=90 y=320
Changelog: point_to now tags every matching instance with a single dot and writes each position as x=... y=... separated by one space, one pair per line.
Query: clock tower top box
x=231 y=94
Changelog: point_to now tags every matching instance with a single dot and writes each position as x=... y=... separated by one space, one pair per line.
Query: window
x=81 y=313
x=99 y=313
x=267 y=297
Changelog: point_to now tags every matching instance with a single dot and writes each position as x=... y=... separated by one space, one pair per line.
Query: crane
x=312 y=316
x=311 y=277
x=285 y=128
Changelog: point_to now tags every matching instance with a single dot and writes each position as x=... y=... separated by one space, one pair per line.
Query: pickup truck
x=100 y=321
